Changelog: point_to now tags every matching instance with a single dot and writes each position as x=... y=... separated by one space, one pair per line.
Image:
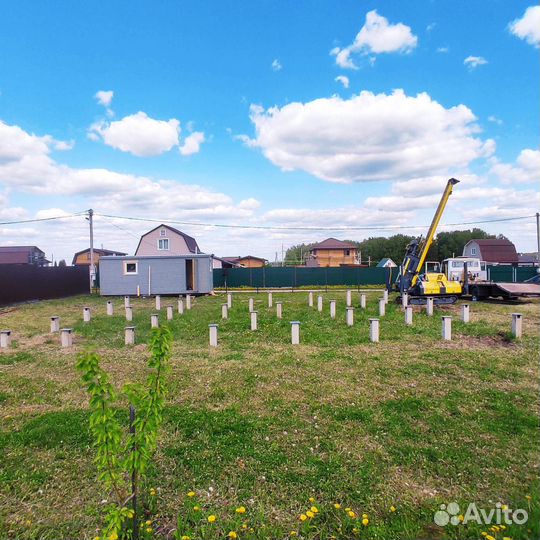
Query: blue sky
x=230 y=113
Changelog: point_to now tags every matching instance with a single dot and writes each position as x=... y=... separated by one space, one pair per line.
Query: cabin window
x=163 y=244
x=130 y=267
x=162 y=232
x=473 y=251
x=347 y=252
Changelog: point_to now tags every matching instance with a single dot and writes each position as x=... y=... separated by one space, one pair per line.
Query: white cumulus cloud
x=276 y=65
x=104 y=97
x=343 y=79
x=376 y=36
x=192 y=143
x=473 y=62
x=525 y=170
x=138 y=134
x=368 y=137
x=528 y=26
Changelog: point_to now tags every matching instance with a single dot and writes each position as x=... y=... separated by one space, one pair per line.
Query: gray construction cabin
x=179 y=274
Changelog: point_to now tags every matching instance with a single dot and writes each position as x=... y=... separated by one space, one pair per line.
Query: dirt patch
x=479 y=342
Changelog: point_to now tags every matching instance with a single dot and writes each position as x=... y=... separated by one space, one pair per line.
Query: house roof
x=190 y=241
x=19 y=254
x=101 y=252
x=233 y=261
x=497 y=250
x=241 y=258
x=333 y=243
x=383 y=262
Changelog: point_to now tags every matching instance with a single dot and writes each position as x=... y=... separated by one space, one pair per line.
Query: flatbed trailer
x=481 y=290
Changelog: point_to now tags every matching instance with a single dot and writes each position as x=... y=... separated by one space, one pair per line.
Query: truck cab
x=455 y=266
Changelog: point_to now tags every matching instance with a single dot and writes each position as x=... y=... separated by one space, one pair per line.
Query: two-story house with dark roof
x=23 y=255
x=492 y=250
x=333 y=252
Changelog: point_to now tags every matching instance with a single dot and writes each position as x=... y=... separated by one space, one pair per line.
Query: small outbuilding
x=148 y=275
x=387 y=262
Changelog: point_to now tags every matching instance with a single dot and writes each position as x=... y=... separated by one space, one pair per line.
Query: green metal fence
x=297 y=277
x=351 y=277
x=510 y=274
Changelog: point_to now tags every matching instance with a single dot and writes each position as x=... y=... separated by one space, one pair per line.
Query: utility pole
x=92 y=270
x=538 y=241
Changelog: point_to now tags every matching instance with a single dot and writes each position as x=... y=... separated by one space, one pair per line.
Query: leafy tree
x=61 y=262
x=451 y=244
x=297 y=254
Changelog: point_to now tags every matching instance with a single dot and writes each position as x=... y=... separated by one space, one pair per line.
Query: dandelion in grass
x=148 y=529
x=489 y=537
x=348 y=510
x=197 y=508
x=351 y=514
x=152 y=492
x=293 y=533
x=311 y=500
x=148 y=523
x=241 y=510
x=314 y=509
x=191 y=494
x=233 y=535
x=392 y=508
x=365 y=521
x=337 y=506
x=303 y=517
x=310 y=514
x=113 y=536
x=185 y=537
x=211 y=518
x=528 y=497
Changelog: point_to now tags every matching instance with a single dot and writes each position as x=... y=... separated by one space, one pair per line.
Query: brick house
x=333 y=252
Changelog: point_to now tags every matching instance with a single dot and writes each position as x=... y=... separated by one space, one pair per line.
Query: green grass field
x=411 y=422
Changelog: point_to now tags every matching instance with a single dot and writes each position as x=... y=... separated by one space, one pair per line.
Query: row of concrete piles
x=374 y=331
x=66 y=334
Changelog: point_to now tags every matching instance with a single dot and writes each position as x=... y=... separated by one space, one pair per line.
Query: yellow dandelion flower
x=337 y=506
x=347 y=509
x=502 y=527
x=351 y=514
x=232 y=535
x=365 y=521
x=489 y=537
x=191 y=494
x=149 y=529
x=148 y=522
x=528 y=497
x=211 y=518
x=314 y=509
x=311 y=500
x=113 y=536
x=484 y=533
x=130 y=514
x=310 y=514
x=244 y=526
x=365 y=516
x=241 y=510
x=96 y=537
x=186 y=537
x=392 y=509
x=355 y=530
x=303 y=517
x=507 y=538
x=152 y=491
x=461 y=517
x=293 y=533
x=196 y=508
x=495 y=528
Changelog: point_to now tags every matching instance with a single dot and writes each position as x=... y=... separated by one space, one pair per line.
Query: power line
x=297 y=228
x=265 y=227
x=41 y=219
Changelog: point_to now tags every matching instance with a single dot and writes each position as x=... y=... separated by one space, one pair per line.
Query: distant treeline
x=446 y=244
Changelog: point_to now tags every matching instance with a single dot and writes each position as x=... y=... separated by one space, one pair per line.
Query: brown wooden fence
x=22 y=282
